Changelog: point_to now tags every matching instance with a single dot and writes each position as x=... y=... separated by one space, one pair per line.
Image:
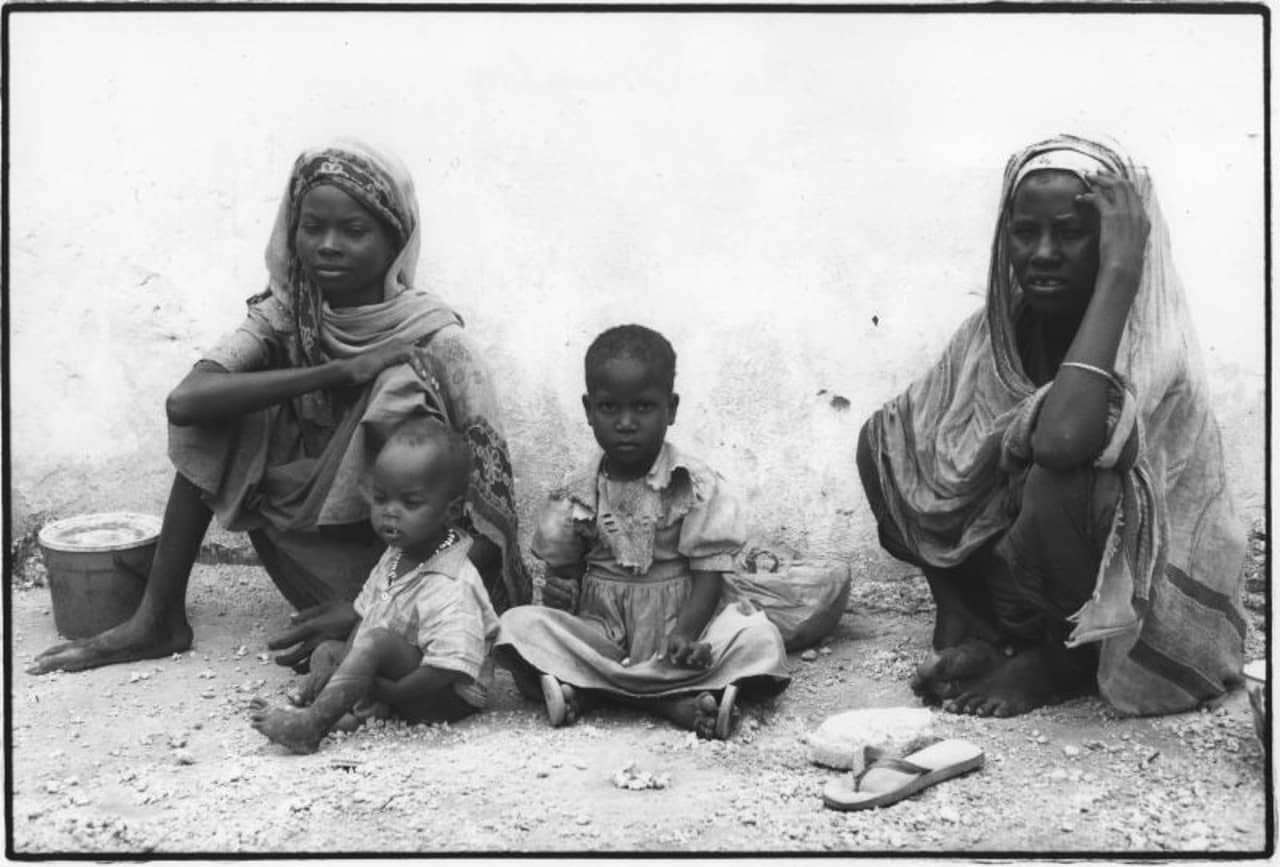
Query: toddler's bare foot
x=323 y=665
x=296 y=730
x=136 y=638
x=365 y=710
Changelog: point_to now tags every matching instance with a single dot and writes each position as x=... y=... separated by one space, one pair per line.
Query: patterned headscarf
x=293 y=306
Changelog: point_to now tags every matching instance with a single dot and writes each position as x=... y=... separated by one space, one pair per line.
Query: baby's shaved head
x=446 y=457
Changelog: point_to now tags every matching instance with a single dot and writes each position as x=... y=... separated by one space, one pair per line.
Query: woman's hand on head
x=1123 y=225
x=365 y=367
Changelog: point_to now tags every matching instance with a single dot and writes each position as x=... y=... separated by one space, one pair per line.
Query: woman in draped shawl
x=275 y=428
x=1058 y=474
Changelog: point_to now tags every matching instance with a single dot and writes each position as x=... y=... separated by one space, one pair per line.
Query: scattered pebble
x=632 y=777
x=809 y=655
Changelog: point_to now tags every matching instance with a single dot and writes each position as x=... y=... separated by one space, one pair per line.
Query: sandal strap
x=894 y=764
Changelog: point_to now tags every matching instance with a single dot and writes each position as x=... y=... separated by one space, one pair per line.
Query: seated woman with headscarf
x=1058 y=474
x=274 y=430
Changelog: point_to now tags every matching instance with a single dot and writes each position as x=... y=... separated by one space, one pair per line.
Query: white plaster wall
x=761 y=188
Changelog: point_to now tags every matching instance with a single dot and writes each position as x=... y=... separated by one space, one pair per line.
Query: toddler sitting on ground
x=421 y=646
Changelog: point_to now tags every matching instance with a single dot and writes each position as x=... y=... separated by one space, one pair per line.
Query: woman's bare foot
x=1034 y=678
x=947 y=673
x=135 y=639
x=297 y=730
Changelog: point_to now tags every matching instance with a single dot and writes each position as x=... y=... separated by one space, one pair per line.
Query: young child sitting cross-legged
x=644 y=532
x=421 y=646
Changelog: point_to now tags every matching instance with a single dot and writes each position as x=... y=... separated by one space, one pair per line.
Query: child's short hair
x=455 y=453
x=633 y=341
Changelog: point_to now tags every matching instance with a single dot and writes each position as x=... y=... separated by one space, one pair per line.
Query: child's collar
x=658 y=477
x=450 y=561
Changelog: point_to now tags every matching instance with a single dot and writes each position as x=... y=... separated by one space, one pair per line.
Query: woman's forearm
x=1071 y=428
x=701 y=604
x=206 y=395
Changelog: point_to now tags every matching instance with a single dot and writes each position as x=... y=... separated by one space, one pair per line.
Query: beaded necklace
x=393 y=565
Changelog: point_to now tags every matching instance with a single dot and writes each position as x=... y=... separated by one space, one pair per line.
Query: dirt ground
x=157 y=758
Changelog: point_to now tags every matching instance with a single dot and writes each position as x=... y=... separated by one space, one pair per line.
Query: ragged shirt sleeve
x=1124 y=429
x=713 y=531
x=451 y=628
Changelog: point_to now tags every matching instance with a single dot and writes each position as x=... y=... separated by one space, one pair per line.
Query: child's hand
x=560 y=593
x=687 y=653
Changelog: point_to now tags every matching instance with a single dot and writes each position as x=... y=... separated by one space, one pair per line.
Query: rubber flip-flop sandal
x=724 y=716
x=553 y=697
x=889 y=780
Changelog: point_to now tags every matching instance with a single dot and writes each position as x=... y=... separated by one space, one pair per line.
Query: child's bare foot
x=325 y=660
x=565 y=705
x=297 y=730
x=365 y=710
x=1032 y=679
x=136 y=638
x=703 y=714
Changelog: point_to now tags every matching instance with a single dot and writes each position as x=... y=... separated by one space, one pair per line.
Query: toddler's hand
x=687 y=653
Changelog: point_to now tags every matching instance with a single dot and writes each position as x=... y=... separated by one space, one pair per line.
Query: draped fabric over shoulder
x=952 y=450
x=291 y=474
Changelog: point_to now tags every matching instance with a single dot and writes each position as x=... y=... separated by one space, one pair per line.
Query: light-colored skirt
x=595 y=650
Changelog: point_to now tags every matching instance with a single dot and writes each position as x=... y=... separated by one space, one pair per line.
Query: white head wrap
x=1062 y=160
